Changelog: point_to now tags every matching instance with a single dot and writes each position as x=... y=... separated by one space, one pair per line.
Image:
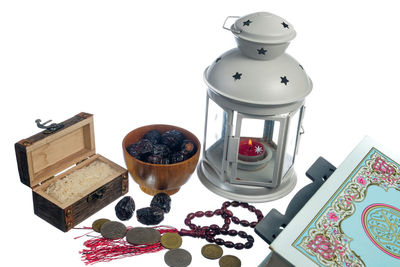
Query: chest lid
x=47 y=153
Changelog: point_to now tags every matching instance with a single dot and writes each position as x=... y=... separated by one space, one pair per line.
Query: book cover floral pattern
x=360 y=223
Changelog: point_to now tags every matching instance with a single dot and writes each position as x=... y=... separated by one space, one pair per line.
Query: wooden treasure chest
x=69 y=181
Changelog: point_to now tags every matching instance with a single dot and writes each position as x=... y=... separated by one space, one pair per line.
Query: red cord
x=100 y=249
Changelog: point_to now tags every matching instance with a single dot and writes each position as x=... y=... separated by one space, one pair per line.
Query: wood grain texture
x=49 y=212
x=23 y=145
x=156 y=178
x=88 y=206
x=67 y=218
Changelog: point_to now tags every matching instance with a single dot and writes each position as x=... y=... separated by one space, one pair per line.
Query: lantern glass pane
x=294 y=124
x=256 y=151
x=215 y=135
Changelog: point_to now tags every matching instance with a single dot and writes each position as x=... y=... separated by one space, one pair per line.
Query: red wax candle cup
x=251 y=150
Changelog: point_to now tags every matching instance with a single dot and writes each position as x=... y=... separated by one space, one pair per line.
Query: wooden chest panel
x=67 y=218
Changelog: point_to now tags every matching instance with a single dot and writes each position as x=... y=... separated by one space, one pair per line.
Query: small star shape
x=218 y=59
x=237 y=76
x=247 y=22
x=258 y=149
x=285 y=25
x=284 y=80
x=261 y=51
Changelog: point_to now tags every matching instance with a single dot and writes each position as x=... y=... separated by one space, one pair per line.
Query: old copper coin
x=212 y=251
x=143 y=235
x=113 y=230
x=178 y=258
x=96 y=225
x=171 y=240
x=229 y=261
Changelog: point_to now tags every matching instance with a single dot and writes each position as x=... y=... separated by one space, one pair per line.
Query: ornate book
x=353 y=219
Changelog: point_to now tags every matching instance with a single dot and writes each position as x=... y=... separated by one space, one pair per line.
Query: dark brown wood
x=65 y=219
x=48 y=211
x=87 y=206
x=20 y=147
x=20 y=152
x=156 y=178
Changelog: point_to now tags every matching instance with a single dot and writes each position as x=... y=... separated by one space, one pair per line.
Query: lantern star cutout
x=284 y=80
x=247 y=22
x=237 y=76
x=258 y=149
x=285 y=25
x=261 y=51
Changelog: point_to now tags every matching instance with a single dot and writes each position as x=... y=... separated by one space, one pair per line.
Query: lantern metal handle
x=231 y=29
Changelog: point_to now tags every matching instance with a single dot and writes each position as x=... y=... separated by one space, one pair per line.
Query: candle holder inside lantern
x=255 y=107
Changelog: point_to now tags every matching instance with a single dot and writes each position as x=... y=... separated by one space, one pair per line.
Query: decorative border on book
x=323 y=240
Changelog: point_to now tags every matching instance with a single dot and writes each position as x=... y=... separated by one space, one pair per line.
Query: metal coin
x=178 y=258
x=96 y=225
x=113 y=230
x=171 y=240
x=212 y=251
x=229 y=261
x=143 y=235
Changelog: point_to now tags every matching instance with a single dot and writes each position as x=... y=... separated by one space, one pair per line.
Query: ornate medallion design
x=325 y=243
x=381 y=223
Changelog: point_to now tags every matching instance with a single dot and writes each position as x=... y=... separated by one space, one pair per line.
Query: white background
x=133 y=63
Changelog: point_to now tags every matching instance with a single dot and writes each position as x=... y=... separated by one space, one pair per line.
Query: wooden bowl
x=156 y=178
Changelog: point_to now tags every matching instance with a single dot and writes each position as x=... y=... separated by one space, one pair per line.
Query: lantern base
x=245 y=193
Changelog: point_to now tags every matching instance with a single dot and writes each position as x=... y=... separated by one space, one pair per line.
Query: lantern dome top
x=263 y=27
x=258 y=82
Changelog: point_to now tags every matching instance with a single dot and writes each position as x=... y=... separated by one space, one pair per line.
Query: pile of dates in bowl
x=167 y=148
x=161 y=158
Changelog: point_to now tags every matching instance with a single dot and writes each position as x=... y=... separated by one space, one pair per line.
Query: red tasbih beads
x=209 y=232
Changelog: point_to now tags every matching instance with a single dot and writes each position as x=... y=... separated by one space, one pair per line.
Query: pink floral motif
x=361 y=180
x=381 y=166
x=332 y=216
x=322 y=246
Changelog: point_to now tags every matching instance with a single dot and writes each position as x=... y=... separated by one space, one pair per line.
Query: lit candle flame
x=250 y=144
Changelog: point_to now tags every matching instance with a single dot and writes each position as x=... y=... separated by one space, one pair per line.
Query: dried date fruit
x=162 y=201
x=161 y=150
x=173 y=139
x=133 y=151
x=145 y=146
x=154 y=159
x=150 y=215
x=153 y=136
x=188 y=148
x=141 y=149
x=176 y=157
x=125 y=208
x=165 y=161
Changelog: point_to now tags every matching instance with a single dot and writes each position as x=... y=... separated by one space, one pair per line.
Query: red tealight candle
x=251 y=150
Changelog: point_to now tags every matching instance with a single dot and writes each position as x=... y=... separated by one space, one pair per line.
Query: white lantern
x=255 y=108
